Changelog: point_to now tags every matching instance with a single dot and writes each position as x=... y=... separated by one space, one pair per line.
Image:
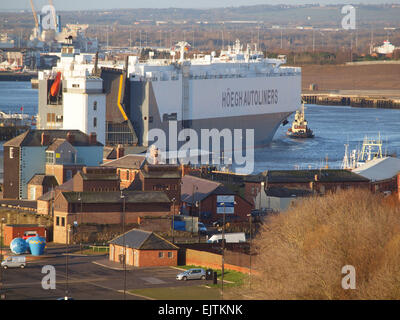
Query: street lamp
x=80 y=222
x=1 y=255
x=192 y=207
x=66 y=256
x=223 y=251
x=261 y=189
x=223 y=248
x=250 y=218
x=123 y=240
x=173 y=220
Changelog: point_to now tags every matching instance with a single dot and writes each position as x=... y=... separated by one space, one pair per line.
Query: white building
x=85 y=105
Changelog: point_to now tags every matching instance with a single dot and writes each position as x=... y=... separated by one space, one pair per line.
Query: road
x=86 y=280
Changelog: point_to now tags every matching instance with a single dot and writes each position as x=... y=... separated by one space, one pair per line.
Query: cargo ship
x=238 y=89
x=300 y=127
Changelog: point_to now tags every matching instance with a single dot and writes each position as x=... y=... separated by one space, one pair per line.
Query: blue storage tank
x=18 y=246
x=27 y=245
x=37 y=245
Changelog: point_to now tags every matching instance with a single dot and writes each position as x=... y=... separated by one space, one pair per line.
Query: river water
x=333 y=127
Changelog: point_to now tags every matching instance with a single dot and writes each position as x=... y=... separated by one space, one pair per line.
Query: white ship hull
x=259 y=103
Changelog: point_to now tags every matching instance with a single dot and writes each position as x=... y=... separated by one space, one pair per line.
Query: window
x=57 y=221
x=51 y=117
x=75 y=85
x=68 y=175
x=127 y=174
x=161 y=254
x=95 y=105
x=95 y=122
x=11 y=153
x=49 y=157
x=170 y=255
x=63 y=222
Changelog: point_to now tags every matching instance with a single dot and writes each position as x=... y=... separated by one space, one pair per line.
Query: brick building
x=159 y=177
x=39 y=185
x=34 y=151
x=88 y=179
x=318 y=181
x=96 y=179
x=200 y=197
x=105 y=208
x=12 y=231
x=143 y=249
x=127 y=168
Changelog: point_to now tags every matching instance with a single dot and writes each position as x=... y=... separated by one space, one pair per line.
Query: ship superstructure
x=238 y=89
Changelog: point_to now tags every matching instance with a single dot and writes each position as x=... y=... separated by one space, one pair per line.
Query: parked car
x=202 y=228
x=192 y=274
x=14 y=262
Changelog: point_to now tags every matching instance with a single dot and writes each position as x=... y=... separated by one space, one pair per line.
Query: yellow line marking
x=119 y=97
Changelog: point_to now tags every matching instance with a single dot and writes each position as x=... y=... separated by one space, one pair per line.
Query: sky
x=6 y=5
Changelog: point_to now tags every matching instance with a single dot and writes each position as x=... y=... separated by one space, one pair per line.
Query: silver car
x=14 y=262
x=192 y=274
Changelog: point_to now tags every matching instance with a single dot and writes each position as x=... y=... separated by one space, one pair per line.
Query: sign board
x=226 y=204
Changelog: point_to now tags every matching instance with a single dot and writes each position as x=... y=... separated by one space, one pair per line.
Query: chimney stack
x=70 y=138
x=45 y=139
x=120 y=151
x=92 y=138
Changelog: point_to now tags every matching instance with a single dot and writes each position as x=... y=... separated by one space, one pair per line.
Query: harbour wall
x=12 y=76
x=356 y=100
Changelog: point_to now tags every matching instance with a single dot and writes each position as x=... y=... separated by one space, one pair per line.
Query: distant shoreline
x=12 y=76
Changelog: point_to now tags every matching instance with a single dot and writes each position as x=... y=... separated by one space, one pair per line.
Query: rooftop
x=379 y=169
x=42 y=179
x=56 y=144
x=202 y=188
x=33 y=138
x=324 y=175
x=115 y=197
x=98 y=176
x=130 y=161
x=143 y=240
x=161 y=171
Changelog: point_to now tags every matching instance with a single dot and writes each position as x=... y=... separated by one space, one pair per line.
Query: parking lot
x=86 y=280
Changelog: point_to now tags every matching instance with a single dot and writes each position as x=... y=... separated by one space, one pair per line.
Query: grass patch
x=180 y=293
x=93 y=250
x=236 y=277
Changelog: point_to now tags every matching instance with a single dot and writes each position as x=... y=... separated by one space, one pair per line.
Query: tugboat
x=299 y=127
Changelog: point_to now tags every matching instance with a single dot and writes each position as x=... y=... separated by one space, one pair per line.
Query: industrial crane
x=34 y=14
x=36 y=18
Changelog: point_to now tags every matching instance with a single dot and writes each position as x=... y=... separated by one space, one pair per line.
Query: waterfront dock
x=381 y=99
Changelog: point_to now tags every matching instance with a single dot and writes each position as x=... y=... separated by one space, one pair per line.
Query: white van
x=229 y=238
x=14 y=262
